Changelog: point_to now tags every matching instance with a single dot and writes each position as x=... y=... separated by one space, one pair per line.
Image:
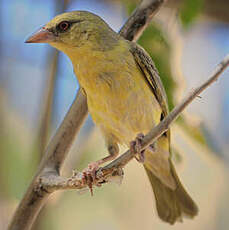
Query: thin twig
x=60 y=144
x=114 y=169
x=48 y=92
x=46 y=101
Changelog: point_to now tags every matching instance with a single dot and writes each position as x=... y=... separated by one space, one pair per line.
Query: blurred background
x=37 y=86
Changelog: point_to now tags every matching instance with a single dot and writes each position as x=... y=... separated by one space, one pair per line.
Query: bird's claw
x=89 y=175
x=136 y=146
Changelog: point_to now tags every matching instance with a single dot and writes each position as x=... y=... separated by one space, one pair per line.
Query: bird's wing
x=151 y=74
x=152 y=77
x=172 y=201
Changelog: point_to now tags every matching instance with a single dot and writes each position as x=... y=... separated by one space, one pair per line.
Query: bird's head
x=75 y=29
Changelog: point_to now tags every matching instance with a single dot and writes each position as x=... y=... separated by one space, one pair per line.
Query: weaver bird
x=125 y=97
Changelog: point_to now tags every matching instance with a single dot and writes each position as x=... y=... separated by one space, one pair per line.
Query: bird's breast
x=119 y=100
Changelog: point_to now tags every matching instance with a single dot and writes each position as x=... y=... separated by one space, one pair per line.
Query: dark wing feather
x=151 y=74
x=172 y=204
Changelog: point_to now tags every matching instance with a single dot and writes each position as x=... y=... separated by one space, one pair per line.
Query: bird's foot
x=136 y=146
x=89 y=176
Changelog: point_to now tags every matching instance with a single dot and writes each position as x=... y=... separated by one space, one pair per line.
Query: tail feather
x=171 y=204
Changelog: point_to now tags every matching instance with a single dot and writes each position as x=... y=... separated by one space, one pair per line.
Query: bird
x=125 y=98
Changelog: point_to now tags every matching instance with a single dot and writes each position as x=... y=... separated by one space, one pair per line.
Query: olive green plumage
x=125 y=97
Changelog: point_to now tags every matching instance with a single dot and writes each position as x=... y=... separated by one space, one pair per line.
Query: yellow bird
x=125 y=97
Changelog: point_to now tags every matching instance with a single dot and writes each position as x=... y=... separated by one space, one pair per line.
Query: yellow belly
x=120 y=100
x=124 y=107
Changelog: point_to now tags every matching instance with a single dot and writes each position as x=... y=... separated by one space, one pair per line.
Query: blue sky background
x=23 y=68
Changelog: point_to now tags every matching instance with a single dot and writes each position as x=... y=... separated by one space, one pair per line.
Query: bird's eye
x=63 y=26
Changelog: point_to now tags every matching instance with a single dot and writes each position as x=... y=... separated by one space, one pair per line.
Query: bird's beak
x=41 y=36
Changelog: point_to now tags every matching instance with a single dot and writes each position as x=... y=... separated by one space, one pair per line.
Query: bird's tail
x=172 y=204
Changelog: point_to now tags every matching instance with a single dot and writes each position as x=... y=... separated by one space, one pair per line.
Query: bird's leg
x=136 y=146
x=89 y=173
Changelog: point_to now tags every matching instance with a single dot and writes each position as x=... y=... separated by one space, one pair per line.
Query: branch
x=60 y=144
x=140 y=19
x=53 y=159
x=46 y=102
x=114 y=169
